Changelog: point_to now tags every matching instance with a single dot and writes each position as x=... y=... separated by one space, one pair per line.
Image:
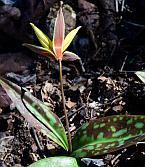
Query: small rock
x=69 y=17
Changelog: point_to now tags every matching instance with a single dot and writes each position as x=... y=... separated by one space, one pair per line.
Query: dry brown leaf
x=70 y=104
x=117 y=108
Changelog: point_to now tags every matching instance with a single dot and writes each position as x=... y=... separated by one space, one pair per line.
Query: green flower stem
x=64 y=107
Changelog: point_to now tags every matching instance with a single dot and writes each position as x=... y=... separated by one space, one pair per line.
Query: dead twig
x=122 y=67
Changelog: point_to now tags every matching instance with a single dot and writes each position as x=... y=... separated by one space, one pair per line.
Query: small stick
x=122 y=5
x=116 y=6
x=123 y=63
x=124 y=71
x=35 y=137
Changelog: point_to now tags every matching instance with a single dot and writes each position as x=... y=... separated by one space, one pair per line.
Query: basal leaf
x=108 y=134
x=69 y=56
x=43 y=39
x=70 y=36
x=56 y=162
x=141 y=75
x=40 y=50
x=36 y=113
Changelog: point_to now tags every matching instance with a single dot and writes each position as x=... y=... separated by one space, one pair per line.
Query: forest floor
x=94 y=88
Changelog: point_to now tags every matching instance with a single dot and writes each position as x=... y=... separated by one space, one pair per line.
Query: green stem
x=64 y=108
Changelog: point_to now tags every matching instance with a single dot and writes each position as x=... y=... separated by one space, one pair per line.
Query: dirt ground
x=112 y=48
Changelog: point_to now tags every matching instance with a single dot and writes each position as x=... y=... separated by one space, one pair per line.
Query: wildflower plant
x=95 y=137
x=56 y=49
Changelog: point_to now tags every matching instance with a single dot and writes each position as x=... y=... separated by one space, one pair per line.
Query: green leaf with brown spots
x=36 y=113
x=108 y=134
x=60 y=161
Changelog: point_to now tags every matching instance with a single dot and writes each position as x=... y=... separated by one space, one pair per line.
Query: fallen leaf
x=70 y=104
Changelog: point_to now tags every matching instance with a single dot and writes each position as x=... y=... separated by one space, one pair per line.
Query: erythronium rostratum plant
x=56 y=49
x=96 y=137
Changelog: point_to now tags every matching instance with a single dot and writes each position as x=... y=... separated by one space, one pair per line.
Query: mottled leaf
x=58 y=35
x=69 y=56
x=43 y=39
x=40 y=50
x=36 y=113
x=68 y=39
x=141 y=75
x=108 y=134
x=56 y=162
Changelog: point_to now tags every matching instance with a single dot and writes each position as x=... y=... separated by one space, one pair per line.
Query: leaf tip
x=79 y=27
x=32 y=24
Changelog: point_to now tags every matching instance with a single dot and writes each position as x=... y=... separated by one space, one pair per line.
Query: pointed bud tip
x=61 y=3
